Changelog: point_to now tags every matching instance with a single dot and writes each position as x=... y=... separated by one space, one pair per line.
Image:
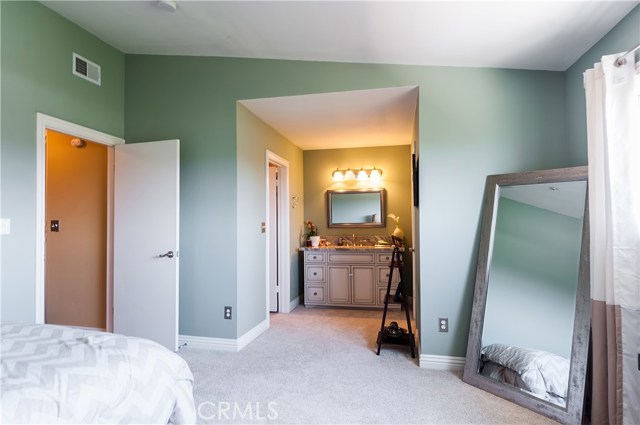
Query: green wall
x=534 y=277
x=473 y=122
x=37 y=46
x=621 y=38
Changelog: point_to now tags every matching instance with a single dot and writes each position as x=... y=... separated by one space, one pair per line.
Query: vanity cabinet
x=347 y=278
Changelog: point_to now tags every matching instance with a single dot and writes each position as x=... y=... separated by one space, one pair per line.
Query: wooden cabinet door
x=363 y=285
x=339 y=287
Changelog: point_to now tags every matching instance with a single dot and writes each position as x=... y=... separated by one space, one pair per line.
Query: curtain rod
x=622 y=60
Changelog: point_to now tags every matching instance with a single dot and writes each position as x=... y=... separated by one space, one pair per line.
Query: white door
x=274 y=287
x=145 y=245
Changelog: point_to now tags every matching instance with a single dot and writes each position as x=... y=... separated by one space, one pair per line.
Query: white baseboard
x=208 y=343
x=224 y=344
x=245 y=339
x=293 y=304
x=432 y=361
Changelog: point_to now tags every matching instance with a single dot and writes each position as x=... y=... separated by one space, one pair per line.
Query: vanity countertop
x=350 y=248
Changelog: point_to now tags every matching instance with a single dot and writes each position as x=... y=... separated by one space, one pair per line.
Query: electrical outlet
x=227 y=312
x=443 y=324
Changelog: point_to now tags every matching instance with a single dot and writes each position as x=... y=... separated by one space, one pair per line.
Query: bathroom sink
x=354 y=247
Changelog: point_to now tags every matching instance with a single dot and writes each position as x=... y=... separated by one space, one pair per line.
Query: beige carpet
x=318 y=366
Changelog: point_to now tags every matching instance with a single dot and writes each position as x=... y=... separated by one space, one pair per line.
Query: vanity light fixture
x=349 y=175
x=337 y=175
x=364 y=174
x=375 y=174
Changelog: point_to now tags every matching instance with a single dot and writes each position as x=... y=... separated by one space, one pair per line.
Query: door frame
x=283 y=245
x=43 y=123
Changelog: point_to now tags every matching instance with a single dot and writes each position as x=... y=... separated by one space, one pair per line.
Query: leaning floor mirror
x=529 y=333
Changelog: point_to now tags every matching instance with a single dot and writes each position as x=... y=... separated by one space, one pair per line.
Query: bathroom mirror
x=529 y=333
x=356 y=208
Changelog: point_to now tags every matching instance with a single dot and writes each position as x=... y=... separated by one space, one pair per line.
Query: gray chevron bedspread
x=56 y=374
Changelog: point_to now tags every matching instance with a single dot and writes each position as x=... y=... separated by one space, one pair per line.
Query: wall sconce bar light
x=362 y=174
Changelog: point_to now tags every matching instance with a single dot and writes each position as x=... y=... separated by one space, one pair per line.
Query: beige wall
x=76 y=194
x=395 y=162
x=254 y=138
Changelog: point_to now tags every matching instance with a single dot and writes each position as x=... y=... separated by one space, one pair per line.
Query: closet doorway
x=76 y=182
x=141 y=242
x=274 y=284
x=277 y=229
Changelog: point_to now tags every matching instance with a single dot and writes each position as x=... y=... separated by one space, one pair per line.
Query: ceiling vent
x=86 y=69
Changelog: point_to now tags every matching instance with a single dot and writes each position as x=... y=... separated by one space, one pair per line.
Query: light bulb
x=375 y=174
x=338 y=176
x=349 y=175
x=362 y=175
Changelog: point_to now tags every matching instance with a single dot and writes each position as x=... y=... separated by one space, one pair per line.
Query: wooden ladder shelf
x=387 y=335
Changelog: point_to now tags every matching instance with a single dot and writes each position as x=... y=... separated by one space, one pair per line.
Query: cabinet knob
x=387 y=274
x=315 y=273
x=315 y=293
x=314 y=257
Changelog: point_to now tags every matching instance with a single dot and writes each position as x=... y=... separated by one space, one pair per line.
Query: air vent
x=86 y=69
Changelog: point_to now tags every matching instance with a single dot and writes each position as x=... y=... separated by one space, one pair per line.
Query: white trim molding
x=284 y=250
x=432 y=361
x=207 y=343
x=246 y=339
x=44 y=123
x=295 y=303
x=224 y=344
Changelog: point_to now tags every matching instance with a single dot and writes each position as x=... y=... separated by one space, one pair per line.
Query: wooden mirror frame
x=573 y=411
x=383 y=210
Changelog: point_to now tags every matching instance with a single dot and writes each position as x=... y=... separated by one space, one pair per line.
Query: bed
x=58 y=374
x=544 y=375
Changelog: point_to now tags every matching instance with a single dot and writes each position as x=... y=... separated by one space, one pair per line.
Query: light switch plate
x=5 y=226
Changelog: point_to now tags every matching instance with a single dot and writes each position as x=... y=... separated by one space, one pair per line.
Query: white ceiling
x=378 y=117
x=539 y=35
x=565 y=198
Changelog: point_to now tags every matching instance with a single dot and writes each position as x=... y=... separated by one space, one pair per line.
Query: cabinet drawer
x=314 y=257
x=384 y=258
x=345 y=258
x=314 y=273
x=383 y=276
x=314 y=295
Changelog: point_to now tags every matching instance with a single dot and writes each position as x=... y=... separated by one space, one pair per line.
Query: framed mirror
x=356 y=208
x=529 y=333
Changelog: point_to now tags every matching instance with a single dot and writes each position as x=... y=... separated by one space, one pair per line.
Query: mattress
x=543 y=374
x=57 y=374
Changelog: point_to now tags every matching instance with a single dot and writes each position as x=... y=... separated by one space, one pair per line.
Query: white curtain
x=613 y=121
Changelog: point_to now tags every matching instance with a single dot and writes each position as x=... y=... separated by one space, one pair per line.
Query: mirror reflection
x=531 y=293
x=356 y=208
